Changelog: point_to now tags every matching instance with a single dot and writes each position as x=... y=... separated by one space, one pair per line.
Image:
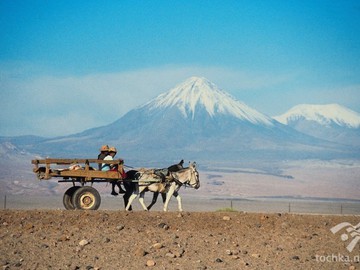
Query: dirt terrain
x=60 y=239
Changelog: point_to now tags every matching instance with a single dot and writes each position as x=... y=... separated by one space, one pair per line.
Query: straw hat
x=104 y=148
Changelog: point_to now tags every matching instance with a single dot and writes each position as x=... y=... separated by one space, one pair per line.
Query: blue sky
x=66 y=66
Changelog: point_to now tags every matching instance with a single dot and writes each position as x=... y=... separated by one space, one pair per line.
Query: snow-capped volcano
x=194 y=120
x=199 y=93
x=325 y=115
x=331 y=122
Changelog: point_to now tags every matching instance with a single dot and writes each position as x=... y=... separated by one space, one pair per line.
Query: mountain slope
x=330 y=122
x=194 y=120
x=193 y=110
x=16 y=172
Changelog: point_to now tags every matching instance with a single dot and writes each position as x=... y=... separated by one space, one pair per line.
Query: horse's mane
x=176 y=167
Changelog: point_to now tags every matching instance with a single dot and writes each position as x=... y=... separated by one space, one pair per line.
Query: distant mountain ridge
x=326 y=115
x=331 y=122
x=195 y=120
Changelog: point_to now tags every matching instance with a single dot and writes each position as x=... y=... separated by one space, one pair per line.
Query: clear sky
x=66 y=66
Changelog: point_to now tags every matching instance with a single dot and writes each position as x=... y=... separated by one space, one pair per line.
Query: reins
x=186 y=183
x=127 y=166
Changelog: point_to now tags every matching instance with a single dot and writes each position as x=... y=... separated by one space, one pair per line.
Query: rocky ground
x=60 y=239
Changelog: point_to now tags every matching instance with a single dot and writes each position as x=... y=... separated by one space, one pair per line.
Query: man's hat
x=104 y=148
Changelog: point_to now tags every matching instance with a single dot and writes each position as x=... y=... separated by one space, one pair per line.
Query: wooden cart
x=78 y=171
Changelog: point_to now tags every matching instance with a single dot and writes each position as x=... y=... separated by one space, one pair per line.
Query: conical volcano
x=197 y=96
x=195 y=120
x=192 y=113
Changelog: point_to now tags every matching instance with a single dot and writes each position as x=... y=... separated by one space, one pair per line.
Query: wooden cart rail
x=83 y=174
x=64 y=161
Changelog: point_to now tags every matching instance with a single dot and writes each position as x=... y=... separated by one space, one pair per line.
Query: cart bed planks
x=78 y=171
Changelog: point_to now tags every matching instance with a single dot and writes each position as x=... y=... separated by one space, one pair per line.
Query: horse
x=172 y=168
x=131 y=175
x=175 y=180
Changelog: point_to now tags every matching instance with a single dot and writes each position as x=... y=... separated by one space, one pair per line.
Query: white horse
x=148 y=182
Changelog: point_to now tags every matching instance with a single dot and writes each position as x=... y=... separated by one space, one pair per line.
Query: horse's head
x=194 y=176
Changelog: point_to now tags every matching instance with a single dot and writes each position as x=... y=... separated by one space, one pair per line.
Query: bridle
x=193 y=175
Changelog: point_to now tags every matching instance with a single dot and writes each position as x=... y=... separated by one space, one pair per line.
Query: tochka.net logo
x=352 y=231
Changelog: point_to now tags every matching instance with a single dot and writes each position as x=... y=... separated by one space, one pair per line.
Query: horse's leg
x=178 y=198
x=121 y=190
x=168 y=197
x=113 y=192
x=141 y=200
x=129 y=188
x=132 y=197
x=154 y=199
x=126 y=197
x=163 y=195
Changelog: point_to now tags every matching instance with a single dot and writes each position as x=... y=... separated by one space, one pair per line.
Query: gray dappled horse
x=132 y=175
x=172 y=168
x=173 y=182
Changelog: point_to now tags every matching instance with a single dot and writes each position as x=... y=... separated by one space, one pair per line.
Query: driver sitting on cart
x=104 y=151
x=112 y=167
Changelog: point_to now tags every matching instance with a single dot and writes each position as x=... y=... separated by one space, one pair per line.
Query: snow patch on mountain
x=323 y=114
x=199 y=92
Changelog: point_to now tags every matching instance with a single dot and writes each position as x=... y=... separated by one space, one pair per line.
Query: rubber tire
x=67 y=199
x=86 y=198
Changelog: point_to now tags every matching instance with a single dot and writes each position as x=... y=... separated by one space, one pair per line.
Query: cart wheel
x=67 y=199
x=86 y=198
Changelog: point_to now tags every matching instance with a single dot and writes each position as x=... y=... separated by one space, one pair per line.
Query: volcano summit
x=197 y=94
x=195 y=121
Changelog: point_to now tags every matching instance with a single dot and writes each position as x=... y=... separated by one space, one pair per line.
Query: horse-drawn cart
x=79 y=171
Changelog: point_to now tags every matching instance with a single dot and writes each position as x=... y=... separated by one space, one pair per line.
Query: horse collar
x=178 y=182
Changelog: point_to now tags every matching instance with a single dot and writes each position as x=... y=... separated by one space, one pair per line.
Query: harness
x=164 y=176
x=154 y=175
x=178 y=182
x=186 y=183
